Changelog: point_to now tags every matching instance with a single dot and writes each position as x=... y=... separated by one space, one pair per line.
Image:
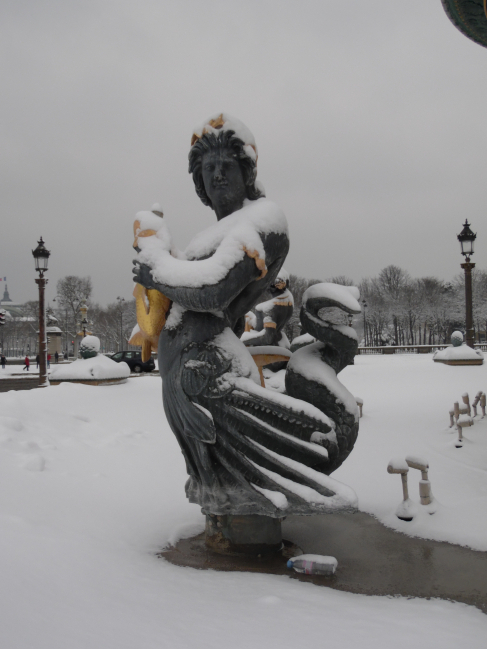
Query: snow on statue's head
x=223 y=132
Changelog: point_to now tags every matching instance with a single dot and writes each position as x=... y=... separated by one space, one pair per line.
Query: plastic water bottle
x=313 y=564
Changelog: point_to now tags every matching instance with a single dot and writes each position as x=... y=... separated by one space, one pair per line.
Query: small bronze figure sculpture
x=272 y=316
x=249 y=451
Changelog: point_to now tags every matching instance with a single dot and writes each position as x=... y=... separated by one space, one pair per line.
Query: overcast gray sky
x=369 y=118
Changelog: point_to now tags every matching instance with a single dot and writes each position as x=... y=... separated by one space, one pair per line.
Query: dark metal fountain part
x=250 y=535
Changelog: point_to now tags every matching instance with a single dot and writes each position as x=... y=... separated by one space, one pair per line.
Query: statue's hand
x=143 y=275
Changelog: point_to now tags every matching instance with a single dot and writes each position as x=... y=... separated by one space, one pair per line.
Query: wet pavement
x=372 y=559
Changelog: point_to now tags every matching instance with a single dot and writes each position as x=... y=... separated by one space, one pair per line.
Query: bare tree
x=71 y=292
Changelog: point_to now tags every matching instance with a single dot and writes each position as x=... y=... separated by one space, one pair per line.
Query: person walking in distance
x=27 y=364
x=3 y=360
x=38 y=359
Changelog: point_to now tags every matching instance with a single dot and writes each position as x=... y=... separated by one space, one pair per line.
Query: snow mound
x=462 y=353
x=96 y=368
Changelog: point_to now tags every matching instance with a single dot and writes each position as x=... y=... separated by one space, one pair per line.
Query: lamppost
x=84 y=320
x=364 y=304
x=41 y=257
x=467 y=238
x=120 y=301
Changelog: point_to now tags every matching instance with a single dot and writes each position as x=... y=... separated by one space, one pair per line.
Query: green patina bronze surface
x=470 y=17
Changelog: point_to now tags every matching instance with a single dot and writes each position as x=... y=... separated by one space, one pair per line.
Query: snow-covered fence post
x=360 y=404
x=398 y=465
x=466 y=401
x=422 y=465
x=452 y=419
x=482 y=404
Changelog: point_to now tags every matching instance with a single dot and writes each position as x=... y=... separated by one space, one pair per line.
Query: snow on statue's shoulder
x=215 y=250
x=261 y=216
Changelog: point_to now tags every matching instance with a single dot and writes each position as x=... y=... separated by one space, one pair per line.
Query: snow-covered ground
x=93 y=485
x=407 y=398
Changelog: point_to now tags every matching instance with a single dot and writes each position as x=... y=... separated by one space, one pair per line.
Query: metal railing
x=410 y=349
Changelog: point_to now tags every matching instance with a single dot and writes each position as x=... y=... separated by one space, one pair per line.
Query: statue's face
x=223 y=181
x=278 y=287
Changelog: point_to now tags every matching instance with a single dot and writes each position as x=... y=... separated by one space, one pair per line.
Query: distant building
x=14 y=308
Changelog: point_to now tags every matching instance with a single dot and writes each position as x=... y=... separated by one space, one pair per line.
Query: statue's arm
x=212 y=297
x=265 y=337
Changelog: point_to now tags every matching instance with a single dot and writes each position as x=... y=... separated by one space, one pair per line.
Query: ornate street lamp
x=41 y=258
x=467 y=238
x=364 y=304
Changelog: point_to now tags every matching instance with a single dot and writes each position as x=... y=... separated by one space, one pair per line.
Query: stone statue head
x=221 y=148
x=280 y=284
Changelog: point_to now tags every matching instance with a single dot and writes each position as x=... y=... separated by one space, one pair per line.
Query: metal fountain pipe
x=464 y=421
x=456 y=410
x=402 y=469
x=476 y=402
x=452 y=419
x=422 y=465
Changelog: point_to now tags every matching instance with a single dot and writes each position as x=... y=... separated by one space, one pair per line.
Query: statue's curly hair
x=225 y=139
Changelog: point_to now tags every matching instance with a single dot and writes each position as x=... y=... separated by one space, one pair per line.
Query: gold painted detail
x=270 y=325
x=151 y=307
x=286 y=303
x=261 y=360
x=216 y=123
x=142 y=233
x=260 y=263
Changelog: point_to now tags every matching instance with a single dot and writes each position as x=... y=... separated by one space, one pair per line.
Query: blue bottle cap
x=290 y=563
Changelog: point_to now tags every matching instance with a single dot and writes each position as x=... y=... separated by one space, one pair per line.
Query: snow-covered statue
x=248 y=450
x=272 y=316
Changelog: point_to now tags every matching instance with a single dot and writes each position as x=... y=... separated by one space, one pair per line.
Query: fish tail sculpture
x=312 y=371
x=151 y=306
